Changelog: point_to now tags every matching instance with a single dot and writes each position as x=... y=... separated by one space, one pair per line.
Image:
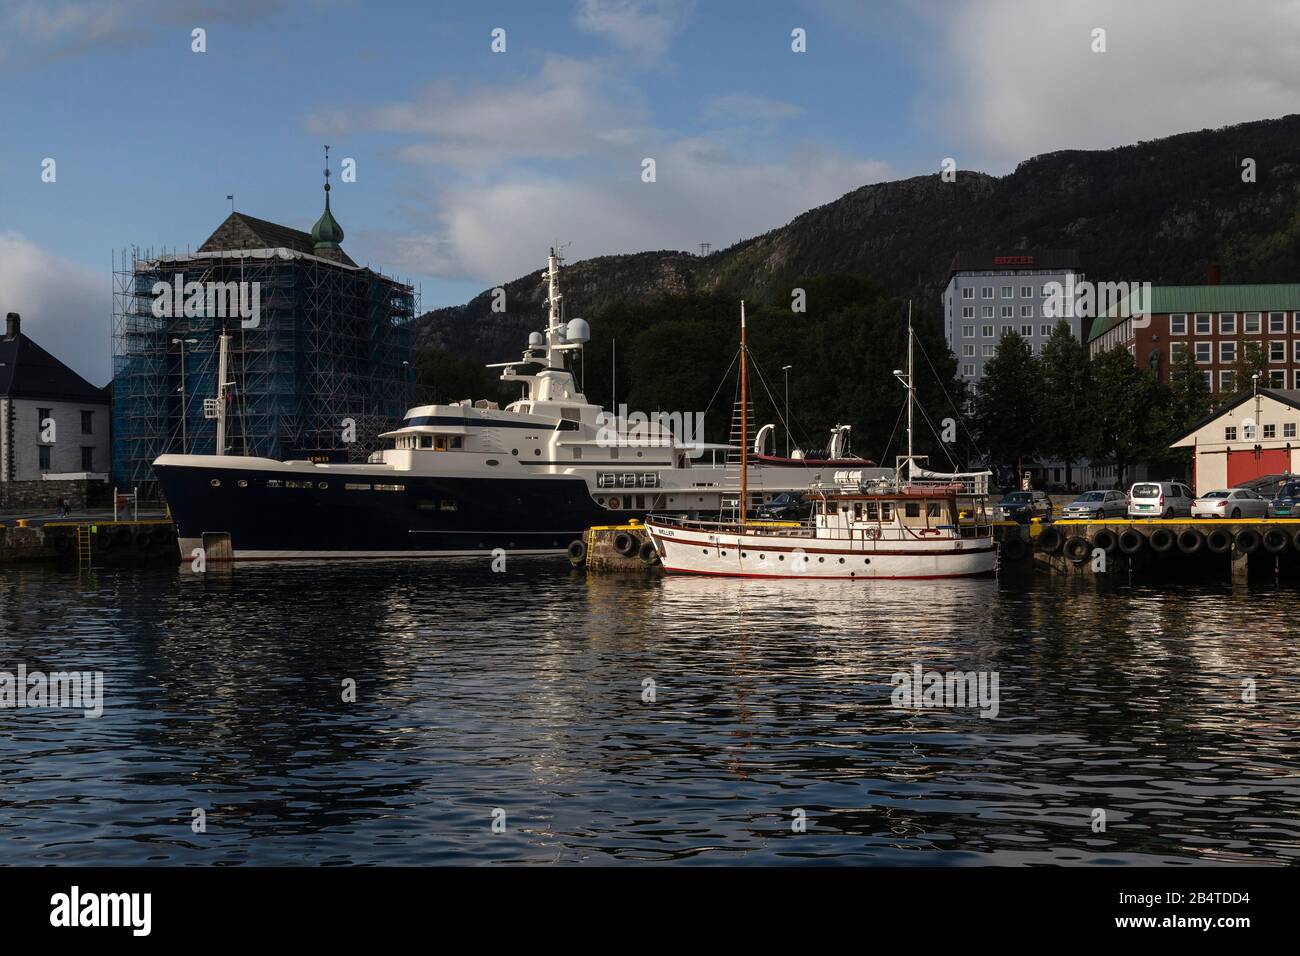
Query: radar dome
x=535 y=340
x=577 y=330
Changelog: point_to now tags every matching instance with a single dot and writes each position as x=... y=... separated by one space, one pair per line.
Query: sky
x=470 y=162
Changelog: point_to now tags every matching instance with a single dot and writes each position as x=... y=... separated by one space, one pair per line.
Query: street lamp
x=786 y=369
x=182 y=343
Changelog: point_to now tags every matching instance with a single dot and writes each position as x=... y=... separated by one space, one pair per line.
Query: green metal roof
x=1275 y=297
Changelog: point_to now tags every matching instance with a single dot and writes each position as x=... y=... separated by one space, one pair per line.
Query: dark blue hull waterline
x=430 y=515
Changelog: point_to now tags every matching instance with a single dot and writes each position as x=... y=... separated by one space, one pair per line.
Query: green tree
x=1188 y=400
x=1008 y=402
x=1124 y=403
x=1064 y=415
x=1252 y=359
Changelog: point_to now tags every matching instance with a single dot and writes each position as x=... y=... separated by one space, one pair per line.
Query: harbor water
x=443 y=713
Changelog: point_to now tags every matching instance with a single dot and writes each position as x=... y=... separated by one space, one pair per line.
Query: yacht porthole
x=537 y=451
x=323 y=485
x=821 y=560
x=744 y=554
x=841 y=560
x=493 y=461
x=515 y=452
x=762 y=557
x=215 y=482
x=243 y=483
x=781 y=558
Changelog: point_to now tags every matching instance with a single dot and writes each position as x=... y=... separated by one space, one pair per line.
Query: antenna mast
x=744 y=420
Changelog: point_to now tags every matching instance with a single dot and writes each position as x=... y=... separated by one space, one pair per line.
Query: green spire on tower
x=327 y=233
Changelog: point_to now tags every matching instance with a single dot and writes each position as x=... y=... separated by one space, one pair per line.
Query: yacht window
x=457 y=441
x=871 y=511
x=577 y=453
x=571 y=414
x=440 y=443
x=446 y=504
x=426 y=441
x=912 y=509
x=932 y=509
x=886 y=511
x=857 y=511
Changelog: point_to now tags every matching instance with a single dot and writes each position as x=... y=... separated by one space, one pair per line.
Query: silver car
x=1230 y=503
x=1097 y=504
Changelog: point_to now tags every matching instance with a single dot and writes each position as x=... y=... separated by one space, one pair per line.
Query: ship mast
x=911 y=388
x=744 y=419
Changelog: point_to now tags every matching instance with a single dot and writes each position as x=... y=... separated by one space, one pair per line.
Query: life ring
x=1275 y=540
x=1161 y=540
x=1050 y=541
x=1014 y=549
x=1077 y=549
x=871 y=534
x=649 y=554
x=577 y=552
x=1190 y=541
x=614 y=503
x=625 y=544
x=1131 y=541
x=1247 y=541
x=1105 y=539
x=1218 y=541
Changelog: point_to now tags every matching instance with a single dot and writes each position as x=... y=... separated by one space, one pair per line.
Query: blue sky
x=470 y=163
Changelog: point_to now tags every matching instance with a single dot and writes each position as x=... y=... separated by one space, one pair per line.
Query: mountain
x=1159 y=211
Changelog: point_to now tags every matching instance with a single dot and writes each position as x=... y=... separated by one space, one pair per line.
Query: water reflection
x=527 y=692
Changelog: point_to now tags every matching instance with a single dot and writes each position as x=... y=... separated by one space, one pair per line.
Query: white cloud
x=1020 y=78
x=644 y=26
x=66 y=307
x=745 y=106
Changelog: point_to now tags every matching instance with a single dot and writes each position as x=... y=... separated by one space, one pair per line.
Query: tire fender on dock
x=1131 y=541
x=1014 y=549
x=1050 y=541
x=1078 y=548
x=577 y=553
x=1161 y=540
x=1275 y=540
x=1190 y=541
x=1247 y=540
x=1105 y=539
x=1219 y=541
x=626 y=544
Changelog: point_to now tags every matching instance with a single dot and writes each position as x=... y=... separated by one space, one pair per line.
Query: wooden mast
x=744 y=420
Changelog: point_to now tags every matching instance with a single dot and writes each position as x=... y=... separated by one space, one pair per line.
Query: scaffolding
x=332 y=342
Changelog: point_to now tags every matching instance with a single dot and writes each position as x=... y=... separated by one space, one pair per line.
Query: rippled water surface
x=525 y=692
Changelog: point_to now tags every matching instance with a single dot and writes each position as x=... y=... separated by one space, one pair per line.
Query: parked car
x=1097 y=504
x=787 y=506
x=1230 y=503
x=1160 y=499
x=1286 y=504
x=1022 y=506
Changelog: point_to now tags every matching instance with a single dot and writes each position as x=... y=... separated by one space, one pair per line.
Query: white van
x=1160 y=499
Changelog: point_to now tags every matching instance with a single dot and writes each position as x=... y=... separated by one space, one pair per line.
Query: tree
x=1008 y=402
x=1124 y=403
x=1064 y=416
x=1251 y=360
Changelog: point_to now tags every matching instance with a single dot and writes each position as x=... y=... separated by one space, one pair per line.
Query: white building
x=991 y=293
x=53 y=423
x=1254 y=435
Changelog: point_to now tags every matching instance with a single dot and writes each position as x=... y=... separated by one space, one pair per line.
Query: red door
x=1247 y=464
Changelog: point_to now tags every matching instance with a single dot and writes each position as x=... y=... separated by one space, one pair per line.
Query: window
x=1230 y=433
x=1295 y=324
x=1270 y=431
x=1008 y=292
x=968 y=311
x=986 y=312
x=1007 y=311
x=1026 y=292
x=1277 y=322
x=87 y=458
x=1247 y=432
x=987 y=331
x=968 y=293
x=1227 y=323
x=42 y=416
x=1202 y=323
x=1277 y=351
x=1044 y=330
x=1007 y=330
x=1027 y=331
x=350 y=486
x=1225 y=381
x=1177 y=350
x=1203 y=353
x=1178 y=324
x=988 y=350
x=1276 y=379
x=87 y=423
x=1227 y=352
x=426 y=441
x=912 y=509
x=1250 y=323
x=886 y=511
x=1209 y=381
x=968 y=351
x=968 y=331
x=1288 y=430
x=1026 y=311
x=1045 y=291
x=43 y=452
x=986 y=292
x=968 y=370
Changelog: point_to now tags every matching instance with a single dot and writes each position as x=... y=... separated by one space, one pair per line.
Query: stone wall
x=43 y=496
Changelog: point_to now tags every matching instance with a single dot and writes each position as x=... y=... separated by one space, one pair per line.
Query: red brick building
x=1214 y=322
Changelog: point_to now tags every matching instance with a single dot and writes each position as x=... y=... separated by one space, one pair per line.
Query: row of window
x=1005 y=312
x=47 y=414
x=1204 y=351
x=43 y=454
x=989 y=331
x=1248 y=431
x=1252 y=323
x=1008 y=292
x=1276 y=378
x=436 y=442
